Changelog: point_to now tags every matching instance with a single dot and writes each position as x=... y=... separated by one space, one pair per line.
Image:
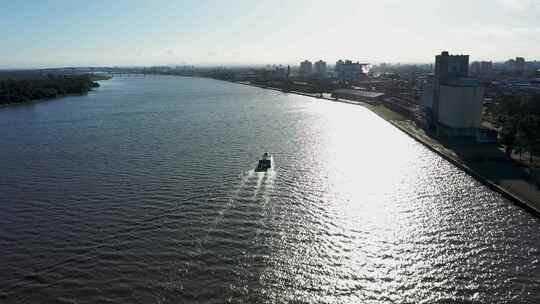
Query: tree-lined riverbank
x=17 y=88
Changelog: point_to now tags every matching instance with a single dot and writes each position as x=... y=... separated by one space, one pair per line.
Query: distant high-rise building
x=486 y=67
x=481 y=67
x=348 y=71
x=320 y=68
x=306 y=68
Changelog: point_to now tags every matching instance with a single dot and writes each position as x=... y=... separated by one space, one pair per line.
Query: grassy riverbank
x=386 y=113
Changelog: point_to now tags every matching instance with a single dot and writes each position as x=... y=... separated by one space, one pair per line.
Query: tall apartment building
x=320 y=68
x=306 y=68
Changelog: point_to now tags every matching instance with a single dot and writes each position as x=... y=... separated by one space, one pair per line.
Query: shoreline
x=529 y=206
x=313 y=95
x=58 y=96
x=34 y=101
x=532 y=207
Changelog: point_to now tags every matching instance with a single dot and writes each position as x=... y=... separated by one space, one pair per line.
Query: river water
x=143 y=191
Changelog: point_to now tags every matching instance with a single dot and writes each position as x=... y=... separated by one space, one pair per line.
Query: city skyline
x=61 y=33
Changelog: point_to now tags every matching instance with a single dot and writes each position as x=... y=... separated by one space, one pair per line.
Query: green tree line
x=17 y=90
x=518 y=120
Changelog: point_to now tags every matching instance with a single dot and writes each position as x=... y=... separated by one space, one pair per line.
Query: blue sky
x=121 y=32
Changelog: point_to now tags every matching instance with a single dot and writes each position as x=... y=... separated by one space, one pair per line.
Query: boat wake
x=254 y=187
x=247 y=203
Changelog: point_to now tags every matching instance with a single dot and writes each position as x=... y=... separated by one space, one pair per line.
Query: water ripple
x=144 y=192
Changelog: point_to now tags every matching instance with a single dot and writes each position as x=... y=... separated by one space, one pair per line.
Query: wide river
x=143 y=191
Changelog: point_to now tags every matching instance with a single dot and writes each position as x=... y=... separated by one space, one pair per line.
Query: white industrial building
x=452 y=101
x=460 y=107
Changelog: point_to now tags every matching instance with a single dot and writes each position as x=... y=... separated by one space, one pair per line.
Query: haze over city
x=96 y=33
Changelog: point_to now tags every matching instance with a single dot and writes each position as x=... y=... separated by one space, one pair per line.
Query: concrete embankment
x=532 y=206
x=314 y=95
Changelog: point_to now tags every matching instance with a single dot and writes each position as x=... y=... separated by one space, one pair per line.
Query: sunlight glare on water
x=144 y=191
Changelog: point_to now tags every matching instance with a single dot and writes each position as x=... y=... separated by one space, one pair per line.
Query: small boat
x=265 y=163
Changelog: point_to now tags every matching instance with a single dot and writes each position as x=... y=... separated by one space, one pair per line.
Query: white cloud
x=501 y=31
x=519 y=5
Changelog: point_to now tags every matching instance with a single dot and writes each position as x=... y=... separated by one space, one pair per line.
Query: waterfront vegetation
x=518 y=120
x=21 y=88
x=386 y=113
